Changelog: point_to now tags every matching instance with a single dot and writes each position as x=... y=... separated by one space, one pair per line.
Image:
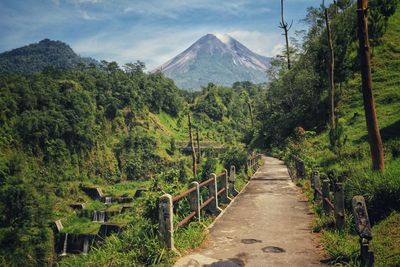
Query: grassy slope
x=353 y=159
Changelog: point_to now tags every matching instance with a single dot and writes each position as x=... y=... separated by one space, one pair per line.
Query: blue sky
x=149 y=30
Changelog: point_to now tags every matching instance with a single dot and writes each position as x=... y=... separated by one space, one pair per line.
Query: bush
x=381 y=192
x=234 y=156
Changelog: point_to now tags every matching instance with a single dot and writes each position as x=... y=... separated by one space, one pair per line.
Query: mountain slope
x=35 y=57
x=218 y=59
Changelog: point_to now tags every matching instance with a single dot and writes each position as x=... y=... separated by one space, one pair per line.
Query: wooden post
x=317 y=186
x=325 y=195
x=192 y=147
x=246 y=170
x=198 y=146
x=225 y=195
x=375 y=141
x=194 y=199
x=331 y=72
x=165 y=217
x=232 y=174
x=212 y=191
x=339 y=206
x=363 y=228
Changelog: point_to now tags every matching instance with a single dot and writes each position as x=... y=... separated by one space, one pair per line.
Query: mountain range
x=36 y=57
x=215 y=58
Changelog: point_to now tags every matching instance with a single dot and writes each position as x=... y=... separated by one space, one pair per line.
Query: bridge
x=267 y=224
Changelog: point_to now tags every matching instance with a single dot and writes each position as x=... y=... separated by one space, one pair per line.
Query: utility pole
x=331 y=72
x=285 y=26
x=374 y=135
x=192 y=146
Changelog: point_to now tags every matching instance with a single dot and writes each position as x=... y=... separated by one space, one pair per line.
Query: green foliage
x=234 y=156
x=386 y=241
x=46 y=55
x=381 y=191
x=209 y=166
x=337 y=136
x=341 y=247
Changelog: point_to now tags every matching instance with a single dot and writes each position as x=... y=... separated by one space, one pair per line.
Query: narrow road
x=268 y=224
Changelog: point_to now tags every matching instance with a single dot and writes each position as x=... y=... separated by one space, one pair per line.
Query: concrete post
x=339 y=206
x=232 y=174
x=165 y=217
x=194 y=199
x=325 y=194
x=317 y=185
x=225 y=195
x=213 y=190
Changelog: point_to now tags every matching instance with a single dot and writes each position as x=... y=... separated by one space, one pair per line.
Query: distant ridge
x=216 y=58
x=36 y=57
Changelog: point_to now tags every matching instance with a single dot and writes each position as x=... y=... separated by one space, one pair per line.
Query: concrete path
x=268 y=224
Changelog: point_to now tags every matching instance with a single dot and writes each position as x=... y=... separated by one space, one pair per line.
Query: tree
x=386 y=7
x=286 y=27
x=192 y=146
x=375 y=140
x=331 y=72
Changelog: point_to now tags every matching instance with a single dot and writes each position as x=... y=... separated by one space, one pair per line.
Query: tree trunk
x=375 y=140
x=285 y=28
x=331 y=73
x=198 y=147
x=192 y=146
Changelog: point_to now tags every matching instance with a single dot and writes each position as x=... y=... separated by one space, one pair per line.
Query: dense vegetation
x=105 y=126
x=36 y=57
x=293 y=120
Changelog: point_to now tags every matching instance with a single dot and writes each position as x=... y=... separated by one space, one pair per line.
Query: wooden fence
x=332 y=198
x=218 y=188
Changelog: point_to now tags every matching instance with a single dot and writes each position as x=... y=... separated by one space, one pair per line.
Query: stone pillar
x=363 y=228
x=232 y=174
x=325 y=195
x=194 y=199
x=339 y=206
x=213 y=190
x=165 y=217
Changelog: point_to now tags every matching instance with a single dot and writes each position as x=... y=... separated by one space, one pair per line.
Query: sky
x=152 y=31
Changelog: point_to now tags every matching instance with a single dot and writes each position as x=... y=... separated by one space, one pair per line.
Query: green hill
x=297 y=124
x=36 y=57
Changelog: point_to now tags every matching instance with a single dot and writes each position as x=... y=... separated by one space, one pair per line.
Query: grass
x=80 y=225
x=352 y=164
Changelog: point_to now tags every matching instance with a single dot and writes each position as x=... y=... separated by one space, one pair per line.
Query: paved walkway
x=268 y=224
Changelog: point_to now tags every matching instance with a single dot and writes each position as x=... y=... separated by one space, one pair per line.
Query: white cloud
x=85 y=15
x=262 y=43
x=153 y=49
x=277 y=49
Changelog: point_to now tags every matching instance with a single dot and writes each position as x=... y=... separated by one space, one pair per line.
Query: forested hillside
x=294 y=121
x=36 y=57
x=64 y=130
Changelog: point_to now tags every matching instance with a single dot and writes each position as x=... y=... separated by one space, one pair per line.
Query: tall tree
x=198 y=146
x=375 y=140
x=331 y=72
x=192 y=145
x=286 y=27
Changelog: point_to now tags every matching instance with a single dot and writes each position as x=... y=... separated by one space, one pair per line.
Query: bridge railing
x=332 y=199
x=217 y=189
x=253 y=163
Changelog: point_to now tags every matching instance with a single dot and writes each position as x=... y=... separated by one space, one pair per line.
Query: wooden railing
x=323 y=195
x=218 y=188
